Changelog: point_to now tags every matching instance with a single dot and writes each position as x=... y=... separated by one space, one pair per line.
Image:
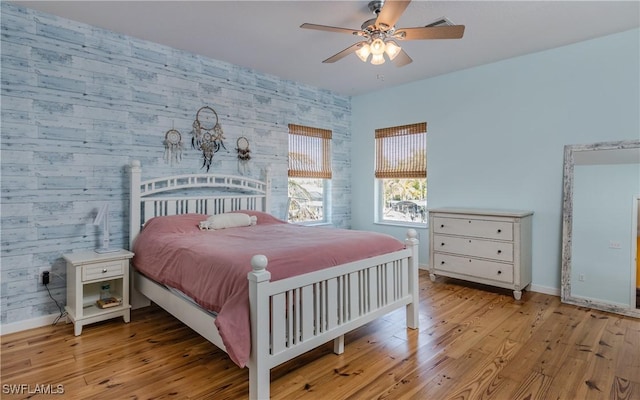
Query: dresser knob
x=499 y=251
x=104 y=270
x=499 y=230
x=441 y=262
x=442 y=226
x=441 y=244
x=499 y=272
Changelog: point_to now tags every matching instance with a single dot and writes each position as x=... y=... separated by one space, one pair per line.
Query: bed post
x=138 y=300
x=259 y=369
x=412 y=309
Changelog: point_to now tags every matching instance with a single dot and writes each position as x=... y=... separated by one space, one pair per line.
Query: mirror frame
x=567 y=223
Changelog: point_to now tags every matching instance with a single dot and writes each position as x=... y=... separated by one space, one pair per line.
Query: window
x=309 y=173
x=401 y=173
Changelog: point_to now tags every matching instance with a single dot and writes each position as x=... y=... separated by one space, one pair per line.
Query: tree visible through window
x=401 y=171
x=309 y=173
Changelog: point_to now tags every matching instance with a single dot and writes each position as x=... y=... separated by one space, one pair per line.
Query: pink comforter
x=211 y=266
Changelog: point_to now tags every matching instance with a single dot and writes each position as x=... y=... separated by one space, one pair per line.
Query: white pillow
x=228 y=220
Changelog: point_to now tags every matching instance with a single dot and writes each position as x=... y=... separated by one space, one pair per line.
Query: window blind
x=401 y=151
x=309 y=152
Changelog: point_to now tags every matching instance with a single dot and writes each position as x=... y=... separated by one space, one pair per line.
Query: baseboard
x=533 y=288
x=20 y=326
x=545 y=290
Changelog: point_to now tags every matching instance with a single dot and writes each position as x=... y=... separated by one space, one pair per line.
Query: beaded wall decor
x=207 y=134
x=244 y=154
x=172 y=147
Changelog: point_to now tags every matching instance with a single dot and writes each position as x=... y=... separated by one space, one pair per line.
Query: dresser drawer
x=102 y=270
x=474 y=227
x=501 y=251
x=473 y=267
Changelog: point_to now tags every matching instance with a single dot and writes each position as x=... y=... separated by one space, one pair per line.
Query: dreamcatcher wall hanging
x=244 y=154
x=172 y=147
x=207 y=135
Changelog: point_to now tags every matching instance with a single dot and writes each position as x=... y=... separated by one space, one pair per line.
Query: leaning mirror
x=600 y=229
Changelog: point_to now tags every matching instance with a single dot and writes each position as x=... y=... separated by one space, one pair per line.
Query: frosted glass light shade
x=363 y=52
x=377 y=59
x=377 y=47
x=392 y=50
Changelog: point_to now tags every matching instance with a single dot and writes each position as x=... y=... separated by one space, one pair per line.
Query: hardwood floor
x=474 y=342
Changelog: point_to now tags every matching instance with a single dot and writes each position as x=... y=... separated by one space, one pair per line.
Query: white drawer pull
x=104 y=270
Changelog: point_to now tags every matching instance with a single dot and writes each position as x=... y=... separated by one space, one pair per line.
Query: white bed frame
x=300 y=313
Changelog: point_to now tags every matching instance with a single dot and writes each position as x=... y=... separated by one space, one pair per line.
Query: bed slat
x=278 y=337
x=332 y=303
x=307 y=313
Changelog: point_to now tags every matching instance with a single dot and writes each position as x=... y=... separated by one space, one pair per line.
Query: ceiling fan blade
x=390 y=13
x=344 y=53
x=430 y=32
x=330 y=29
x=402 y=59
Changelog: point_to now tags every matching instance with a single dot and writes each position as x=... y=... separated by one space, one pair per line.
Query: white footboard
x=295 y=315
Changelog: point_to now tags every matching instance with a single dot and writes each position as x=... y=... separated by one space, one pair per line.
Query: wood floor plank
x=628 y=364
x=534 y=387
x=624 y=389
x=602 y=361
x=474 y=342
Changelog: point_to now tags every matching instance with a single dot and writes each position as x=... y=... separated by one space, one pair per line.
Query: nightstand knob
x=104 y=270
x=499 y=251
x=499 y=272
x=442 y=226
x=499 y=230
x=441 y=244
x=441 y=262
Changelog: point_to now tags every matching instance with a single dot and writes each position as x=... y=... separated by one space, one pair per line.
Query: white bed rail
x=294 y=315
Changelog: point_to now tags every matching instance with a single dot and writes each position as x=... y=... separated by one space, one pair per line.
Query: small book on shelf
x=109 y=302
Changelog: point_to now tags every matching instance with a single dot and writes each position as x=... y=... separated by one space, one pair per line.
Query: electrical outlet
x=614 y=245
x=45 y=277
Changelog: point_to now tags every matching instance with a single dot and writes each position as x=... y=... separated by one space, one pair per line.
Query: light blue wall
x=603 y=202
x=496 y=133
x=79 y=103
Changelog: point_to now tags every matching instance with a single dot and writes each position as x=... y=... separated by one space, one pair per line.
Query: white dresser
x=491 y=247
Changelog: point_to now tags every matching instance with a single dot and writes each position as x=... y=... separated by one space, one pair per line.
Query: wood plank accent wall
x=79 y=103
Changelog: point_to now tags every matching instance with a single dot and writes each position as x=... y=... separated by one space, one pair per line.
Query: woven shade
x=309 y=152
x=401 y=151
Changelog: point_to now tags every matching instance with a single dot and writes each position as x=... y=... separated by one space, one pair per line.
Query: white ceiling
x=265 y=35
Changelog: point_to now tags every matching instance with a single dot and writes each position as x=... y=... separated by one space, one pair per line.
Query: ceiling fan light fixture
x=392 y=49
x=377 y=59
x=377 y=47
x=363 y=52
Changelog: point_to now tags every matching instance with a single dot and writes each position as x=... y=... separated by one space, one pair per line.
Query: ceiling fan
x=380 y=34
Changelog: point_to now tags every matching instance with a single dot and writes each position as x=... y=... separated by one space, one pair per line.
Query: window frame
x=404 y=171
x=318 y=151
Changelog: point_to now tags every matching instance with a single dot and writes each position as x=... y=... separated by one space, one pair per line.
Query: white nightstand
x=87 y=271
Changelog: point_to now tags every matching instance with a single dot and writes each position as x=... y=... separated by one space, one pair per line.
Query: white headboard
x=197 y=193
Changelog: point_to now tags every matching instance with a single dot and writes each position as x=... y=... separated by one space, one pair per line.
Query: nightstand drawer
x=102 y=270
